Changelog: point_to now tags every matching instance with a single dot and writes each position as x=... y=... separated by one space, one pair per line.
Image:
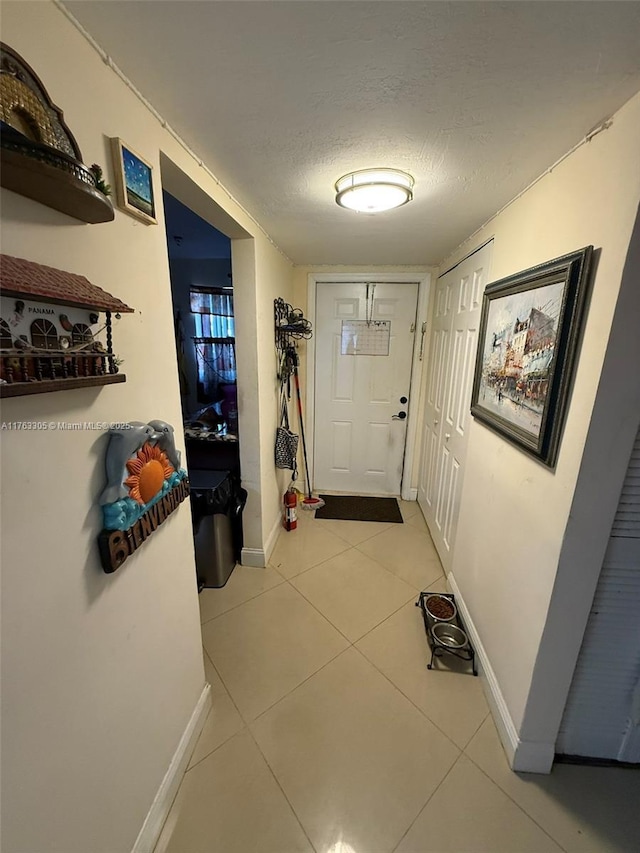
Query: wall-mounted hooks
x=290 y=326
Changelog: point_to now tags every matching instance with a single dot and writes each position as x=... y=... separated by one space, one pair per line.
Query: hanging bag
x=286 y=450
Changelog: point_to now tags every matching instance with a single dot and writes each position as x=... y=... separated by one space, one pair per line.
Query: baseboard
x=157 y=814
x=523 y=756
x=258 y=558
x=533 y=757
x=254 y=557
x=270 y=544
x=587 y=761
x=409 y=494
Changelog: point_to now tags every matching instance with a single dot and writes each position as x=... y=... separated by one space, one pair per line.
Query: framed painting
x=134 y=182
x=527 y=345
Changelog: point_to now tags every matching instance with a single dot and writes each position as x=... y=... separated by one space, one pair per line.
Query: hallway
x=329 y=734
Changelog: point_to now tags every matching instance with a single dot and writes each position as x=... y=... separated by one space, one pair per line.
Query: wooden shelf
x=54 y=187
x=40 y=156
x=19 y=389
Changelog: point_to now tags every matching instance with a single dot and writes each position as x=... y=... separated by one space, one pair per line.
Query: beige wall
x=301 y=275
x=101 y=673
x=514 y=512
x=273 y=282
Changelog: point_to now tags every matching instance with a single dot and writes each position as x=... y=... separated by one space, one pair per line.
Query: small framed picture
x=134 y=182
x=530 y=331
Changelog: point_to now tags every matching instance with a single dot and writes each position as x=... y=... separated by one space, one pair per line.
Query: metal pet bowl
x=449 y=635
x=435 y=603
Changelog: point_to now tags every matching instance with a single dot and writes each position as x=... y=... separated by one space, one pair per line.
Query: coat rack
x=290 y=326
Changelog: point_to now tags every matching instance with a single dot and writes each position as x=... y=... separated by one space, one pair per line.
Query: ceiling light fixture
x=374 y=190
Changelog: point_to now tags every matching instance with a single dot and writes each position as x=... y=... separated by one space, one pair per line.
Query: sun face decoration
x=149 y=469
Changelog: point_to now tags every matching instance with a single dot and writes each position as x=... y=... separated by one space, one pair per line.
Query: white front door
x=364 y=346
x=454 y=337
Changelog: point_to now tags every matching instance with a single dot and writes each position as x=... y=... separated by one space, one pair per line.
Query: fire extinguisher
x=289 y=518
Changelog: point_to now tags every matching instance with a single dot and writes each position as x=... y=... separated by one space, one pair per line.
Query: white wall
x=515 y=524
x=614 y=424
x=101 y=673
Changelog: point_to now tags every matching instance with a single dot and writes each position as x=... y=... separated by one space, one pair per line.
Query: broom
x=308 y=502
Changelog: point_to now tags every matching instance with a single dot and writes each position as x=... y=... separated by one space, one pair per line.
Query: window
x=44 y=335
x=6 y=341
x=81 y=334
x=214 y=341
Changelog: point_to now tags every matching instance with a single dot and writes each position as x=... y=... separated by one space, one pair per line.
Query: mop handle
x=304 y=443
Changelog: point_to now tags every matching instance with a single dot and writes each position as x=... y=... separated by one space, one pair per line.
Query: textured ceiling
x=280 y=99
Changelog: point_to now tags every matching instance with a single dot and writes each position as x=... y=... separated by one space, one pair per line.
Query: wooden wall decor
x=49 y=327
x=40 y=156
x=145 y=484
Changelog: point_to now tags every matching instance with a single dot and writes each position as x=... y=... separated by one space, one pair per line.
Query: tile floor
x=328 y=733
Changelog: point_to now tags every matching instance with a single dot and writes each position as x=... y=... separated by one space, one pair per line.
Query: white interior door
x=364 y=346
x=452 y=351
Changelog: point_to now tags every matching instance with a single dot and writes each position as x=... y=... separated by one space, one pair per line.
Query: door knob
x=399 y=417
x=447 y=436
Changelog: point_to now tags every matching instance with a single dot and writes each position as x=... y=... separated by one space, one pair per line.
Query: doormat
x=354 y=508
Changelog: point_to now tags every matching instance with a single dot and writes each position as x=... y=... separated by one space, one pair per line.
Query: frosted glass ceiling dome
x=374 y=190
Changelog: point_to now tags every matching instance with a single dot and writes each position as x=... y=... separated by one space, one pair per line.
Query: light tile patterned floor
x=329 y=735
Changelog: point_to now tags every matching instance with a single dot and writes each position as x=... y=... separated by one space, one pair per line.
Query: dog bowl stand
x=438 y=650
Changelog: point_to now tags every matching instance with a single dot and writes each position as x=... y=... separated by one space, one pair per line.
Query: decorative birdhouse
x=40 y=156
x=52 y=333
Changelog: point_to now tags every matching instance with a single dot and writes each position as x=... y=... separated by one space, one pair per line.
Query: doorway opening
x=247 y=451
x=204 y=325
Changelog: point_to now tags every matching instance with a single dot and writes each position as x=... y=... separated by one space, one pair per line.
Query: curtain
x=214 y=314
x=214 y=342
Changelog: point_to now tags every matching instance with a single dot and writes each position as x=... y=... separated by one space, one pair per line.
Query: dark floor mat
x=354 y=508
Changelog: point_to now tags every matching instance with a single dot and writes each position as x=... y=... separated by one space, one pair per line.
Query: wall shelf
x=40 y=156
x=48 y=322
x=53 y=179
x=19 y=389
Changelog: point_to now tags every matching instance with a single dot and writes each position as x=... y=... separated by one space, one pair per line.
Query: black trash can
x=217 y=501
